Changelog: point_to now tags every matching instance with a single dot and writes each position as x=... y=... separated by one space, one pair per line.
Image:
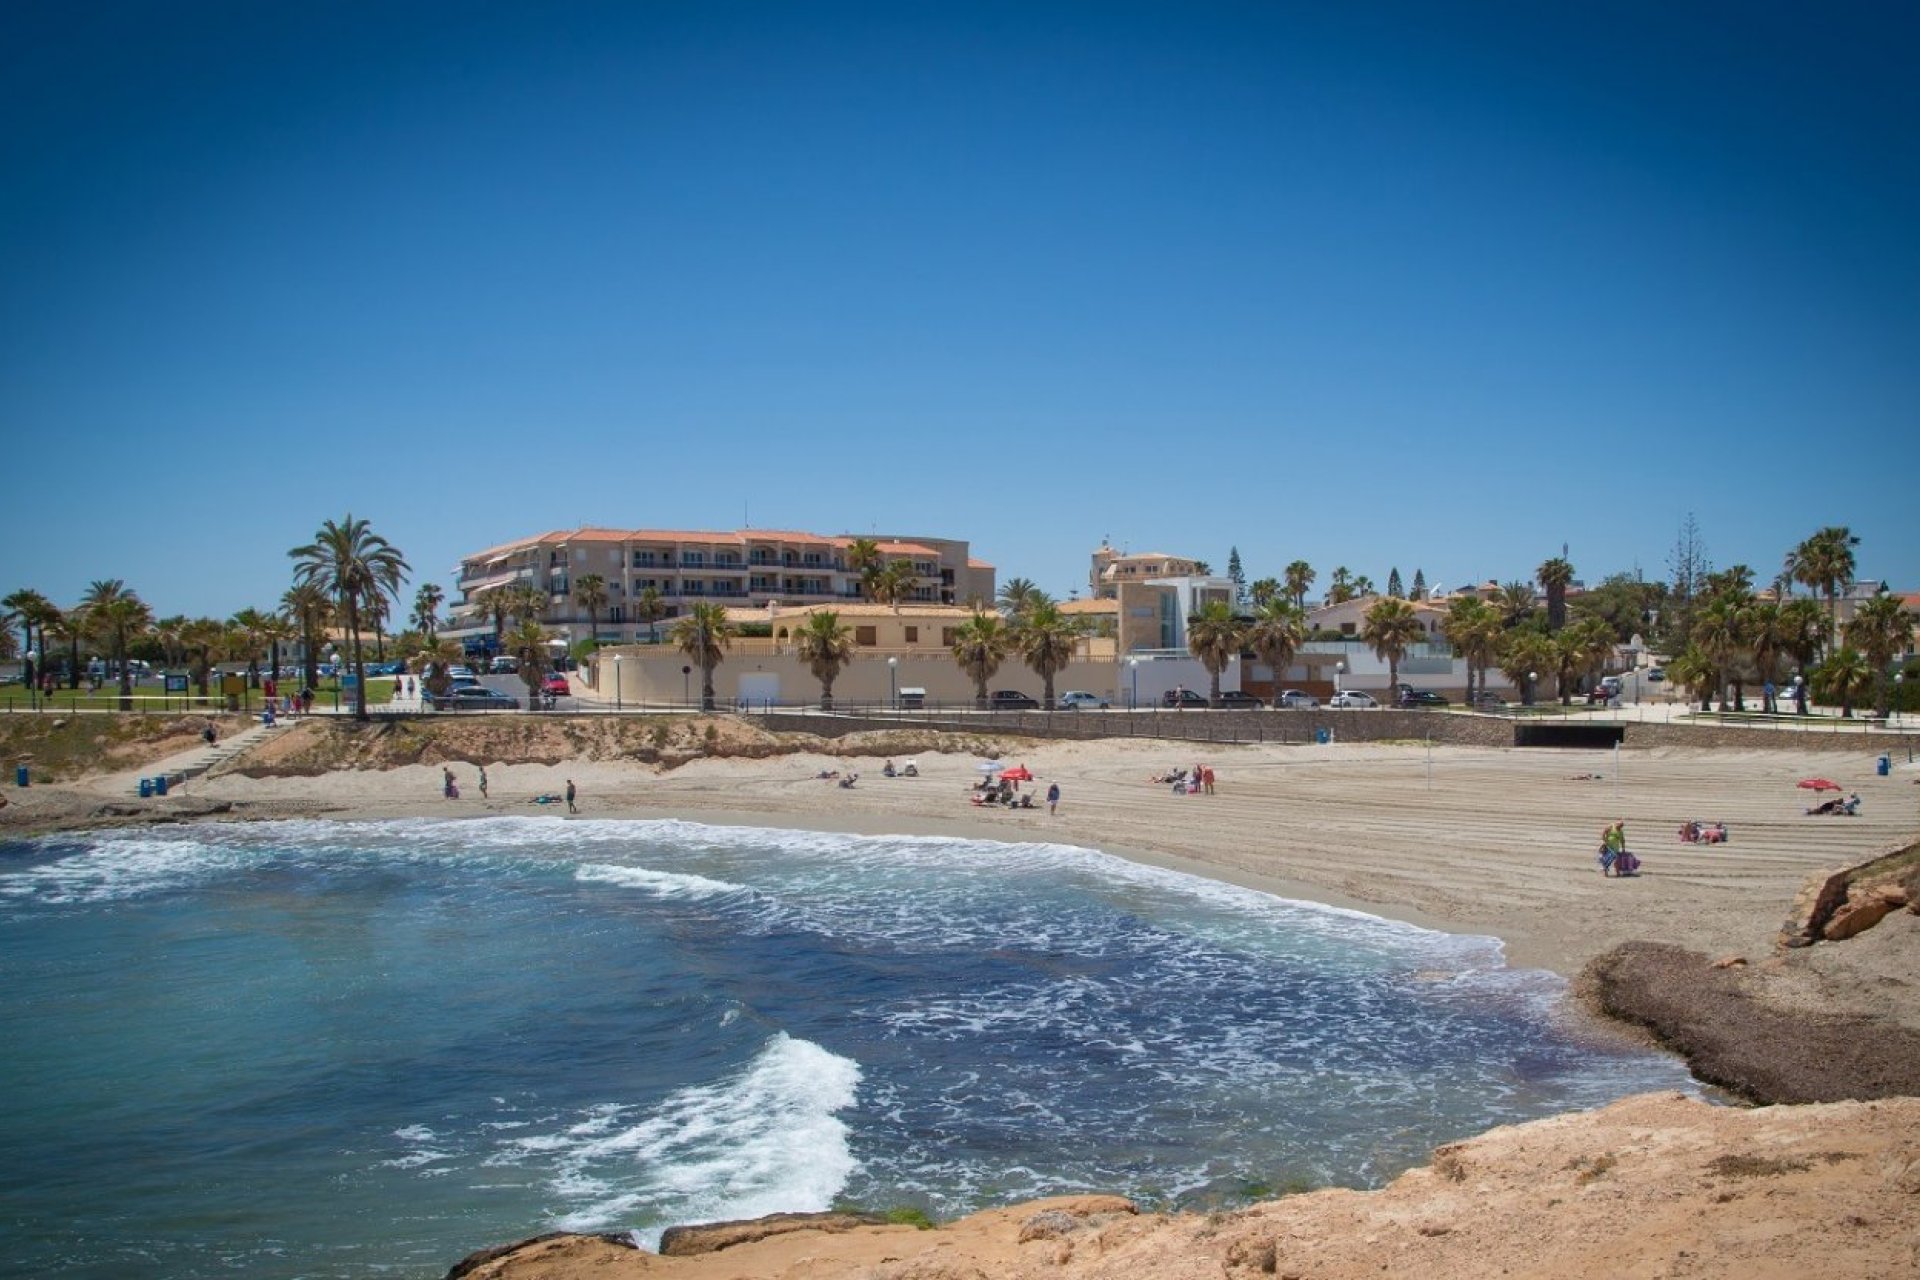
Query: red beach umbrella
x=1020 y=773
x=1818 y=784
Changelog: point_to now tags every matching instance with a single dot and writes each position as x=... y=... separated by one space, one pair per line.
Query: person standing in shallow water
x=570 y=795
x=1053 y=797
x=483 y=782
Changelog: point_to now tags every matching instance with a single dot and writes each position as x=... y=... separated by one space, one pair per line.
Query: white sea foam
x=662 y=884
x=766 y=1140
x=121 y=865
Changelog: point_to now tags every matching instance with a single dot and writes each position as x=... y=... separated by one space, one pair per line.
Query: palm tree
x=826 y=646
x=1720 y=633
x=524 y=602
x=1047 y=640
x=649 y=607
x=1554 y=576
x=1825 y=563
x=528 y=643
x=356 y=566
x=68 y=627
x=1340 y=586
x=170 y=632
x=310 y=608
x=117 y=612
x=1474 y=631
x=277 y=630
x=30 y=609
x=377 y=610
x=201 y=637
x=1362 y=586
x=1214 y=636
x=1515 y=601
x=979 y=645
x=1803 y=627
x=1881 y=629
x=894 y=582
x=590 y=589
x=704 y=635
x=249 y=626
x=1390 y=629
x=435 y=661
x=1695 y=671
x=426 y=610
x=1263 y=590
x=1583 y=650
x=1766 y=641
x=1846 y=677
x=1523 y=653
x=1017 y=596
x=864 y=558
x=1278 y=631
x=1300 y=576
x=495 y=601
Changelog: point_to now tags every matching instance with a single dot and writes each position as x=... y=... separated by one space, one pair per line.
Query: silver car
x=1080 y=700
x=1296 y=700
x=1353 y=698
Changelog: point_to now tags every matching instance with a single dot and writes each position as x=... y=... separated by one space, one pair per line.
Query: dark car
x=1235 y=699
x=1184 y=700
x=475 y=698
x=1421 y=698
x=1012 y=700
x=1488 y=698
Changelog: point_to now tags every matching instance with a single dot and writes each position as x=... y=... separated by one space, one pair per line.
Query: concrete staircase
x=179 y=769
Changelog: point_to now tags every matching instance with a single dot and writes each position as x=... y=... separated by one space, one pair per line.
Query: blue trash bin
x=1321 y=736
x=1884 y=766
x=160 y=785
x=146 y=787
x=20 y=776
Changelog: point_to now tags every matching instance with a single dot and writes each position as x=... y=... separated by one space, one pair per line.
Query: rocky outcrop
x=1656 y=1185
x=1730 y=1036
x=711 y=1237
x=1843 y=903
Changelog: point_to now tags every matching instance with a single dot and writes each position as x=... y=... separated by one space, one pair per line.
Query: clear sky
x=1420 y=285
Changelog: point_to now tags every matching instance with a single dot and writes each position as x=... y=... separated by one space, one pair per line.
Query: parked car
x=1080 y=699
x=460 y=672
x=1296 y=700
x=1488 y=698
x=1012 y=700
x=470 y=697
x=504 y=666
x=1655 y=675
x=556 y=686
x=1183 y=700
x=1353 y=698
x=1422 y=698
x=1236 y=699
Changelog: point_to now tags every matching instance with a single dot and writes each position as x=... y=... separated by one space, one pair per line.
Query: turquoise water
x=320 y=1049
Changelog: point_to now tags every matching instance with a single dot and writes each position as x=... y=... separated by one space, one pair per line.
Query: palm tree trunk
x=706 y=686
x=126 y=676
x=359 y=663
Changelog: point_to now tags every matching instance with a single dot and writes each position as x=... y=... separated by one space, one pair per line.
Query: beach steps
x=178 y=770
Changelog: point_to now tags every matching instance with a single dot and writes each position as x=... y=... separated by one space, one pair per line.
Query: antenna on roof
x=746 y=521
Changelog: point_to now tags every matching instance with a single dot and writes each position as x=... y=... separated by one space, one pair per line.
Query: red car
x=557 y=686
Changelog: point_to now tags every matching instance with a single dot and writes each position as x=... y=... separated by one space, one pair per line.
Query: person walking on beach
x=448 y=787
x=483 y=782
x=570 y=795
x=1053 y=797
x=1613 y=848
x=1206 y=778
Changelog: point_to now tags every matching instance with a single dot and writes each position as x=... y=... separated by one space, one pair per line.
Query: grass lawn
x=154 y=698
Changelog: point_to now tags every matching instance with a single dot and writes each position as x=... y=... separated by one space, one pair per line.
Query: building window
x=1347 y=628
x=868 y=636
x=693 y=559
x=643 y=559
x=913 y=635
x=947 y=637
x=812 y=560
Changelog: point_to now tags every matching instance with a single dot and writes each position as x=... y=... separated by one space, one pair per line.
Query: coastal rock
x=711 y=1237
x=544 y=1250
x=1730 y=962
x=1857 y=917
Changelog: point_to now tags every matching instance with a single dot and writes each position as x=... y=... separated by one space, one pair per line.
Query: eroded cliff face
x=1655 y=1185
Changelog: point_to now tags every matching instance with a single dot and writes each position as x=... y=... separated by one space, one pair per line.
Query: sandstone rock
x=474 y=1261
x=1857 y=917
x=711 y=1237
x=1049 y=1224
x=1730 y=962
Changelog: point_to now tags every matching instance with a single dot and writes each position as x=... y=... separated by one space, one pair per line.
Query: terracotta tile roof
x=1090 y=606
x=974 y=562
x=905 y=549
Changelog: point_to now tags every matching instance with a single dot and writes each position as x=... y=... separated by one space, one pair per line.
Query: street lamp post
x=618 y=704
x=1339 y=669
x=1133 y=698
x=893 y=683
x=1531 y=677
x=1799 y=693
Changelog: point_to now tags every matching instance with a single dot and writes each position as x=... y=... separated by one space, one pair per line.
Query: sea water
x=364 y=1049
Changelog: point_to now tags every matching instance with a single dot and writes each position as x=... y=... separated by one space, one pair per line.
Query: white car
x=1353 y=698
x=1080 y=700
x=1296 y=700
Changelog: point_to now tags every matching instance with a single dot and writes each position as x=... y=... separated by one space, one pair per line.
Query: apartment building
x=1111 y=569
x=742 y=567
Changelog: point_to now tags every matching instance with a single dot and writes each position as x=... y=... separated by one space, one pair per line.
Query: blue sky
x=1414 y=285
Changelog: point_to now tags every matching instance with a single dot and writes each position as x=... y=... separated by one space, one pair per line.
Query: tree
x=1803 y=627
x=116 y=612
x=1694 y=671
x=864 y=558
x=530 y=645
x=590 y=590
x=1390 y=629
x=1394 y=587
x=1363 y=586
x=1524 y=652
x=249 y=627
x=649 y=608
x=309 y=607
x=1237 y=574
x=980 y=644
x=1766 y=641
x=1018 y=595
x=1047 y=640
x=1623 y=602
x=1515 y=602
x=1720 y=634
x=1340 y=588
x=1215 y=637
x=1419 y=584
x=1881 y=629
x=1264 y=590
x=1583 y=649
x=30 y=610
x=1300 y=576
x=426 y=610
x=354 y=565
x=1846 y=677
x=704 y=635
x=201 y=637
x=68 y=627
x=826 y=646
x=1474 y=631
x=1276 y=634
x=169 y=631
x=435 y=662
x=1825 y=563
x=524 y=602
x=895 y=581
x=495 y=601
x=1554 y=577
